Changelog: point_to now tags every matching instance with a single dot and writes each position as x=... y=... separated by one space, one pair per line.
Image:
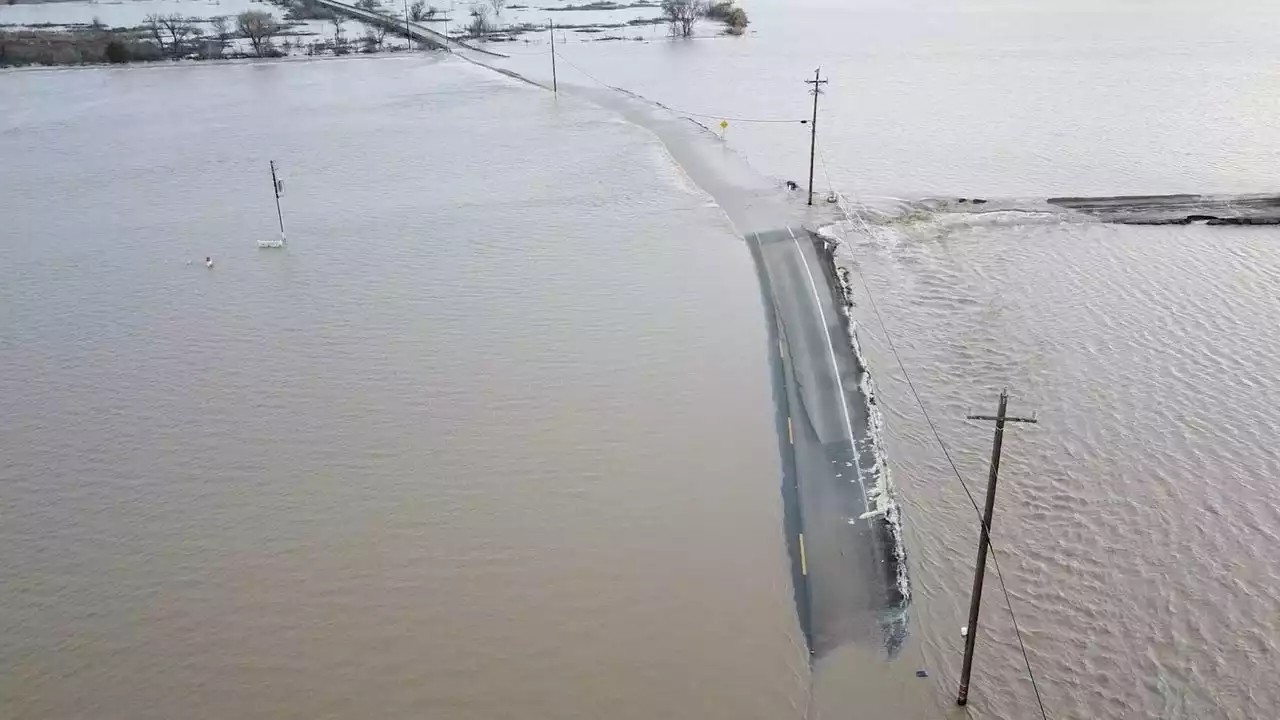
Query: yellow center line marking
x=804 y=563
x=790 y=437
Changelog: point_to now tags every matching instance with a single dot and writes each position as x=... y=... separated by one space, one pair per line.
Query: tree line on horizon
x=175 y=36
x=159 y=37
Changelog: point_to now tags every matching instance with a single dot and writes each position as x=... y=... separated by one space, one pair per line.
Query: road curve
x=846 y=561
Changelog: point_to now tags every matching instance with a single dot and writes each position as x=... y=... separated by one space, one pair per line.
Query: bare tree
x=259 y=28
x=339 y=40
x=479 y=21
x=221 y=28
x=374 y=38
x=156 y=29
x=213 y=47
x=682 y=15
x=178 y=28
x=418 y=10
x=498 y=6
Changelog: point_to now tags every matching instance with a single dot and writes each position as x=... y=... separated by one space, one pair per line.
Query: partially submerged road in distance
x=845 y=556
x=848 y=572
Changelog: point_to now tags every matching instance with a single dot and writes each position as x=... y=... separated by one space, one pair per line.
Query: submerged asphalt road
x=846 y=564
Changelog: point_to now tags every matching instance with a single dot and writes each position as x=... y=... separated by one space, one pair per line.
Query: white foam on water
x=880 y=493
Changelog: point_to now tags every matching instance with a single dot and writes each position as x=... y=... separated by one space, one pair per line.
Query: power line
x=509 y=52
x=933 y=428
x=678 y=111
x=727 y=117
x=938 y=437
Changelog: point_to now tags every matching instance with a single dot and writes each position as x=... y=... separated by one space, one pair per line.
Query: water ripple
x=1136 y=519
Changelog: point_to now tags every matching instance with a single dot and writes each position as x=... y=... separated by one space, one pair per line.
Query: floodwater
x=977 y=97
x=1136 y=520
x=529 y=469
x=493 y=436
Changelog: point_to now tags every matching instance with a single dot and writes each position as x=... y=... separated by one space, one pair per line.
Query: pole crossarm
x=994 y=418
x=817 y=82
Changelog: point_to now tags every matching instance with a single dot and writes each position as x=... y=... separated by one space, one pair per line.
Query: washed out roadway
x=845 y=564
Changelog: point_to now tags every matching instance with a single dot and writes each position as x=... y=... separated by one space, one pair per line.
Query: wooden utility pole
x=817 y=84
x=984 y=540
x=555 y=84
x=448 y=19
x=407 y=37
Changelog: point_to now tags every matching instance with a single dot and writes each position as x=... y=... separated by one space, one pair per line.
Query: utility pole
x=555 y=84
x=448 y=20
x=275 y=187
x=975 y=601
x=407 y=37
x=817 y=84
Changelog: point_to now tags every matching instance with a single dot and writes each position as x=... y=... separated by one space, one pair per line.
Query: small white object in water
x=208 y=262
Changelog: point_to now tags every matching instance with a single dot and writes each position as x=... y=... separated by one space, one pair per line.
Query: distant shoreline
x=296 y=28
x=36 y=2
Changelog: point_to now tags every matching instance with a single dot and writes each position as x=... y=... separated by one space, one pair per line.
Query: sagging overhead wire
x=728 y=118
x=1008 y=600
x=933 y=428
x=511 y=53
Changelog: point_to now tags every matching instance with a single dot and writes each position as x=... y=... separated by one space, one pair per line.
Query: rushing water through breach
x=1134 y=520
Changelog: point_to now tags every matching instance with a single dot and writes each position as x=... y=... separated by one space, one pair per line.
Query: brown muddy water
x=492 y=437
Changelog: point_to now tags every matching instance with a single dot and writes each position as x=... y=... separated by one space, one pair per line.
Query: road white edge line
x=831 y=349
